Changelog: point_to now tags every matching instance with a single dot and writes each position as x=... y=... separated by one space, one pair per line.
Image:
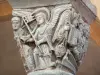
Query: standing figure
x=25 y=50
x=43 y=34
x=41 y=52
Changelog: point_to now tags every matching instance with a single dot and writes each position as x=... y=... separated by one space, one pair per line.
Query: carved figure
x=25 y=50
x=42 y=59
x=43 y=35
x=50 y=37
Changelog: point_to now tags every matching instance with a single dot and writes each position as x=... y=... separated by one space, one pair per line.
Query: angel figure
x=44 y=33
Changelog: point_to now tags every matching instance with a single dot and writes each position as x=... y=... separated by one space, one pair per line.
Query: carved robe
x=43 y=58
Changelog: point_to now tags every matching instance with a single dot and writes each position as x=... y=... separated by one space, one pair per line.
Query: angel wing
x=65 y=17
x=55 y=15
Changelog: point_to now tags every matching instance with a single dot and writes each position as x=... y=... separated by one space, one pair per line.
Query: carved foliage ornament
x=52 y=39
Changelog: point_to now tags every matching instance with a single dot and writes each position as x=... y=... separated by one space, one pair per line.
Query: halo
x=43 y=10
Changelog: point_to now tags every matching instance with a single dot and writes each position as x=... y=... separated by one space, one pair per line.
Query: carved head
x=42 y=15
x=16 y=23
x=40 y=18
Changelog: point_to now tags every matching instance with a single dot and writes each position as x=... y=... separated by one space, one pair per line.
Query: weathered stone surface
x=50 y=37
x=86 y=10
x=50 y=72
x=35 y=3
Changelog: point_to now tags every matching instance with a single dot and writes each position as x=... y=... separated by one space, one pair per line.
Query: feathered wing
x=55 y=15
x=65 y=16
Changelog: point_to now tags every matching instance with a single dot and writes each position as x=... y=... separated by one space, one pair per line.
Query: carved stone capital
x=52 y=39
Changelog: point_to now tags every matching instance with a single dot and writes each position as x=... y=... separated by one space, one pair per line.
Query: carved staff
x=33 y=37
x=31 y=33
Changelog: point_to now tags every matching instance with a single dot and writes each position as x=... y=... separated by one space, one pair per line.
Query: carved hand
x=25 y=38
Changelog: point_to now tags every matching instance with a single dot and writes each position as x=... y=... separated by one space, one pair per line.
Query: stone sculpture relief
x=50 y=38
